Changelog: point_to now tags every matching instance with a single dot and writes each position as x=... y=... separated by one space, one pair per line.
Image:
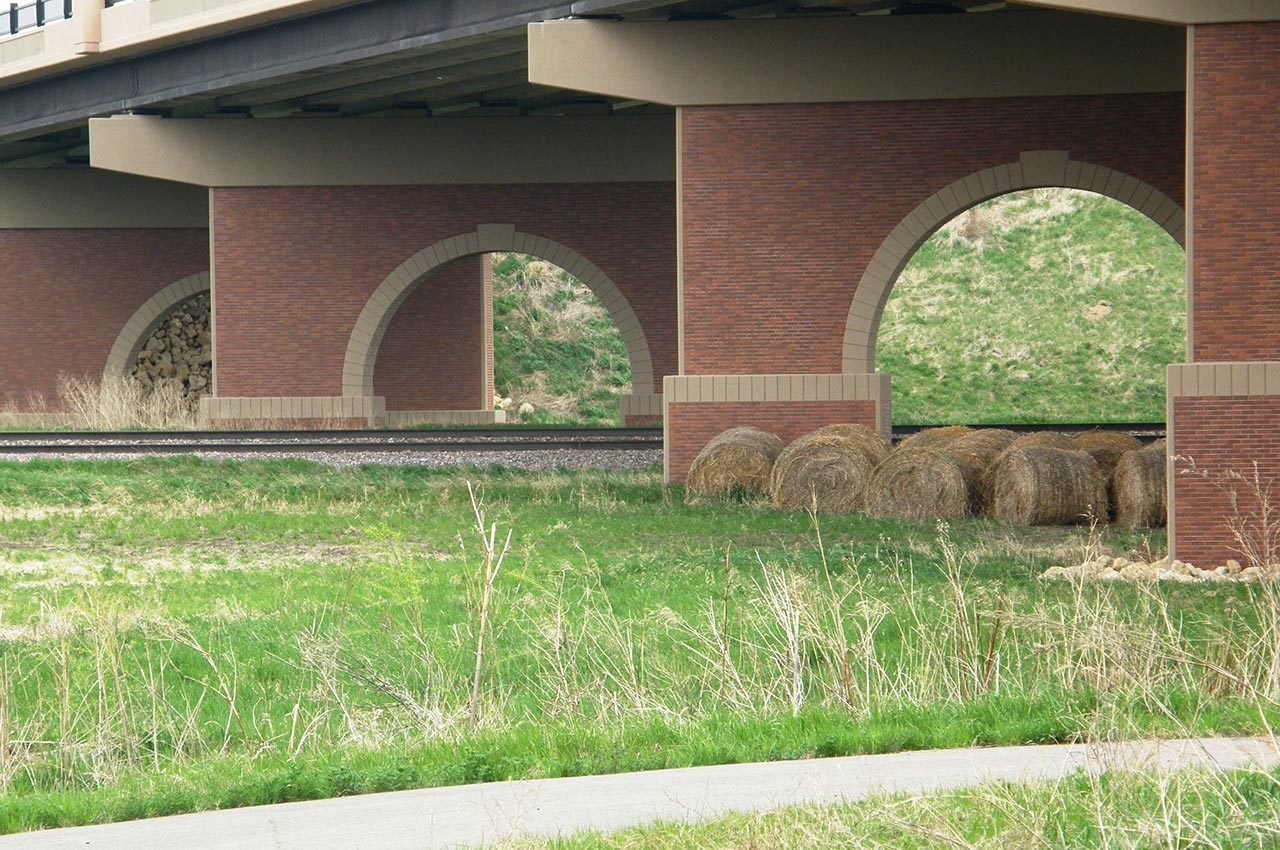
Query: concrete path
x=482 y=814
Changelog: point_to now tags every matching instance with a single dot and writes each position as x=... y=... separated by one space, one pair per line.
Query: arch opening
x=558 y=357
x=374 y=320
x=1041 y=305
x=147 y=318
x=1033 y=170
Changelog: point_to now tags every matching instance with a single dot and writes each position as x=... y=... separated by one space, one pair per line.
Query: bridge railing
x=37 y=13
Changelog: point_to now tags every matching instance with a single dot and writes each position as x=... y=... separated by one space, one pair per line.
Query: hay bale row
x=943 y=473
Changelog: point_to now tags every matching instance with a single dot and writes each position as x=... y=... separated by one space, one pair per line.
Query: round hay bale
x=1043 y=440
x=876 y=446
x=1138 y=488
x=974 y=453
x=1046 y=486
x=1160 y=445
x=734 y=462
x=821 y=472
x=934 y=438
x=1106 y=447
x=918 y=484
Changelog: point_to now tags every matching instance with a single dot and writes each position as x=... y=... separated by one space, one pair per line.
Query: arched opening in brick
x=558 y=356
x=1033 y=170
x=452 y=313
x=1042 y=305
x=168 y=344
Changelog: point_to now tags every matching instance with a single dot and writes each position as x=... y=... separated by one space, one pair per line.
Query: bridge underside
x=741 y=194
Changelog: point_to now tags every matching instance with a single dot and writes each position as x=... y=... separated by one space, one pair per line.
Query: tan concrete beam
x=918 y=57
x=1173 y=11
x=409 y=151
x=86 y=198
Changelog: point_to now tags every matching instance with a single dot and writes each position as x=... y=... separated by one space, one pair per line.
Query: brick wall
x=294 y=266
x=434 y=351
x=1236 y=191
x=784 y=205
x=1235 y=287
x=66 y=294
x=691 y=426
x=1215 y=440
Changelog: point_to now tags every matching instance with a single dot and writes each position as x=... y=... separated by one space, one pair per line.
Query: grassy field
x=1049 y=305
x=178 y=634
x=1123 y=811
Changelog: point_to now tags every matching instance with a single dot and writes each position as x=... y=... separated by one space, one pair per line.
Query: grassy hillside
x=554 y=344
x=1044 y=306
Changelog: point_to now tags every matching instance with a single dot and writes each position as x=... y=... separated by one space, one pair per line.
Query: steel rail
x=472 y=440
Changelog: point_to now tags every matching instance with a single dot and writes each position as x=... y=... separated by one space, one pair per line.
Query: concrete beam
x=919 y=57
x=71 y=198
x=354 y=152
x=1174 y=11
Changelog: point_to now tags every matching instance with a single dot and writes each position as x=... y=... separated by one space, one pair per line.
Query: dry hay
x=1160 y=445
x=734 y=462
x=823 y=472
x=974 y=453
x=918 y=484
x=1106 y=447
x=1046 y=486
x=1043 y=440
x=934 y=438
x=1138 y=489
x=876 y=446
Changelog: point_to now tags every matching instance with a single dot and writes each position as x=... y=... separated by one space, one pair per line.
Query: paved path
x=477 y=814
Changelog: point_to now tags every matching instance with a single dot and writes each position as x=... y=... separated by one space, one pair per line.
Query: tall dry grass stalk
x=113 y=403
x=118 y=402
x=490 y=565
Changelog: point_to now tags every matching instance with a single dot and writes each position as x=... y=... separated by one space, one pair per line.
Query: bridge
x=740 y=181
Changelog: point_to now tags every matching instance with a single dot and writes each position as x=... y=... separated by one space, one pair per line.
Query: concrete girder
x=82 y=198
x=309 y=152
x=1173 y=11
x=692 y=63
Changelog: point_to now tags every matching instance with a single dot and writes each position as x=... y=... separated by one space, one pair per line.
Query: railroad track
x=1142 y=430
x=339 y=442
x=444 y=440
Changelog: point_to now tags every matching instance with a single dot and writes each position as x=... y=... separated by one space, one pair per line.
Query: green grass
x=990 y=320
x=178 y=634
x=1121 y=811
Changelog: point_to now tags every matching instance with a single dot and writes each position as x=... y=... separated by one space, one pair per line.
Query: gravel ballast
x=526 y=459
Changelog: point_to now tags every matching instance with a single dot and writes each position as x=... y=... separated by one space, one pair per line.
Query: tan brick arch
x=366 y=336
x=148 y=317
x=1033 y=170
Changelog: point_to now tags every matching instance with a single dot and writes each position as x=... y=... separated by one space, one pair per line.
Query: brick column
x=786 y=208
x=1224 y=408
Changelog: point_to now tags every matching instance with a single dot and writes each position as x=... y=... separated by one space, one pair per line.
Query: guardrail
x=25 y=16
